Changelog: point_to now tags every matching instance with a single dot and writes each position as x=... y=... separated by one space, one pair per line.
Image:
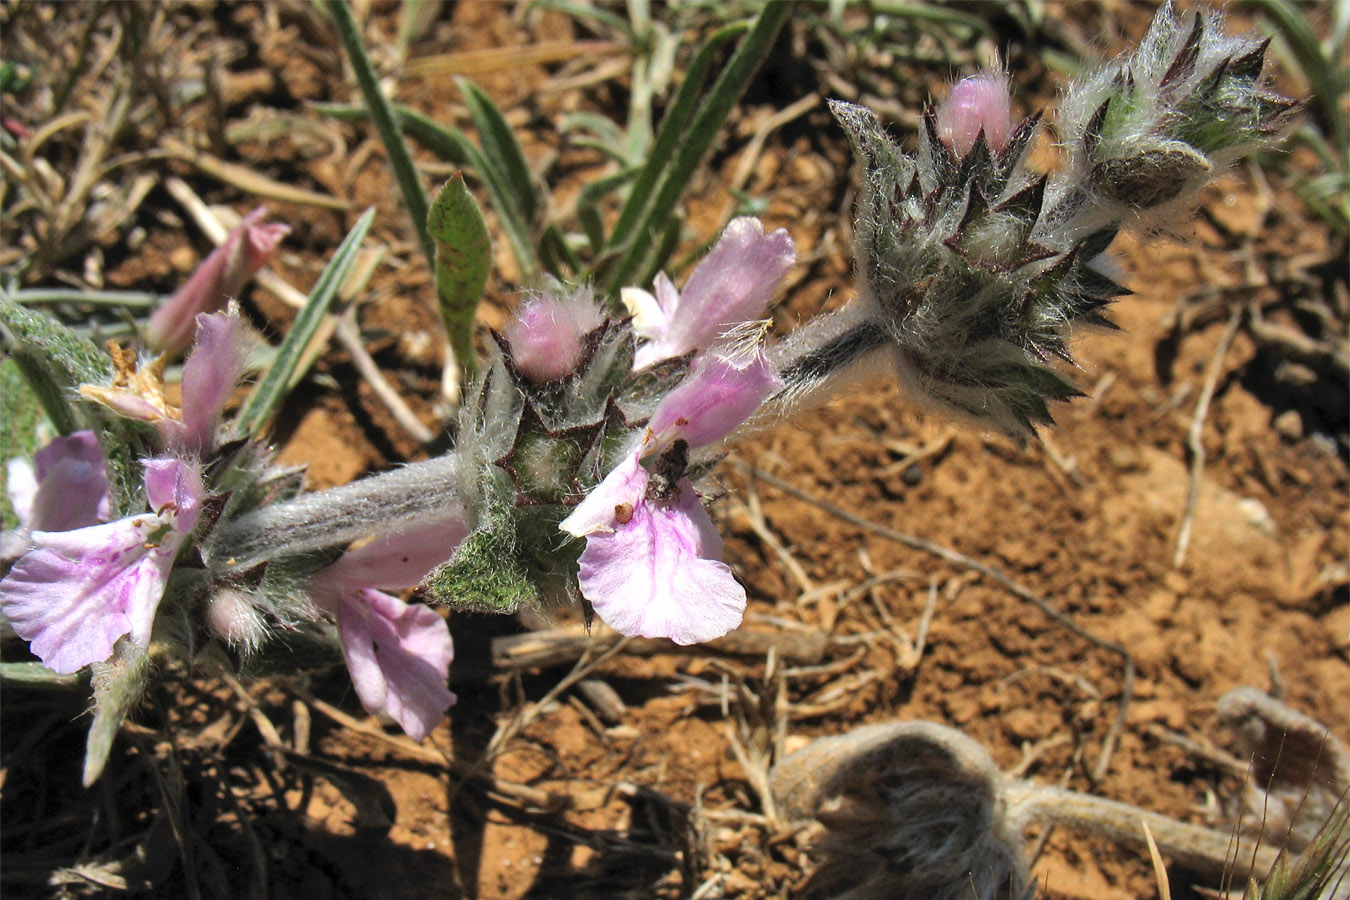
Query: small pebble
x=1289 y=425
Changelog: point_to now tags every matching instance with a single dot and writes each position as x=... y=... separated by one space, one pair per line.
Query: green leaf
x=36 y=676
x=463 y=259
x=484 y=574
x=119 y=684
x=55 y=361
x=269 y=393
x=20 y=415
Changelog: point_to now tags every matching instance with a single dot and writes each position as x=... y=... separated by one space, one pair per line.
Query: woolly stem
x=415 y=495
x=826 y=356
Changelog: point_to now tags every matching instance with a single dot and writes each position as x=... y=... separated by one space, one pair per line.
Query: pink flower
x=733 y=284
x=546 y=336
x=652 y=563
x=975 y=104
x=68 y=489
x=210 y=374
x=76 y=593
x=217 y=280
x=399 y=654
x=717 y=396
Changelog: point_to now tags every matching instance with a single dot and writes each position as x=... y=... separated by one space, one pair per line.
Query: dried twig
x=556 y=646
x=1194 y=438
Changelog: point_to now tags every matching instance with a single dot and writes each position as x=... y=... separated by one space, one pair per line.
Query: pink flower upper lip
x=731 y=285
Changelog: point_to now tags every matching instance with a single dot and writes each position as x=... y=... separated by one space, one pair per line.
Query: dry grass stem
x=1195 y=436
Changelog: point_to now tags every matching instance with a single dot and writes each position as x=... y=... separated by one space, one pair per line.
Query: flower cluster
x=80 y=585
x=975 y=270
x=584 y=438
x=603 y=448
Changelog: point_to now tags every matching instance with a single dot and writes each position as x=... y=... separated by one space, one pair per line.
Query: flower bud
x=975 y=104
x=232 y=617
x=547 y=336
x=217 y=280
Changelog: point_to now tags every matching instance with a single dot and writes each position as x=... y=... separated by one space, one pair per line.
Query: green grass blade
x=453 y=146
x=269 y=393
x=702 y=131
x=595 y=14
x=672 y=132
x=588 y=206
x=938 y=15
x=463 y=260
x=121 y=299
x=382 y=115
x=517 y=231
x=1319 y=69
x=501 y=149
x=662 y=250
x=554 y=248
x=449 y=144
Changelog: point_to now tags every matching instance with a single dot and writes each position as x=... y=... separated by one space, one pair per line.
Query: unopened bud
x=547 y=335
x=232 y=616
x=219 y=278
x=975 y=104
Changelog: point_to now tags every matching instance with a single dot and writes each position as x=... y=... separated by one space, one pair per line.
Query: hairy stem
x=415 y=495
x=826 y=356
x=1194 y=846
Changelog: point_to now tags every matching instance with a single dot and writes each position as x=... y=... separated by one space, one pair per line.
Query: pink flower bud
x=546 y=336
x=217 y=280
x=975 y=103
x=232 y=617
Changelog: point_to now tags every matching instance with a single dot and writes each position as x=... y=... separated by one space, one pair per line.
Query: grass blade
x=702 y=131
x=382 y=115
x=595 y=14
x=671 y=133
x=463 y=259
x=119 y=299
x=501 y=150
x=1319 y=69
x=453 y=146
x=448 y=144
x=269 y=393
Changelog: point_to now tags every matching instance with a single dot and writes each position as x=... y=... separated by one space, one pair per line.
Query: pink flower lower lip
x=76 y=593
